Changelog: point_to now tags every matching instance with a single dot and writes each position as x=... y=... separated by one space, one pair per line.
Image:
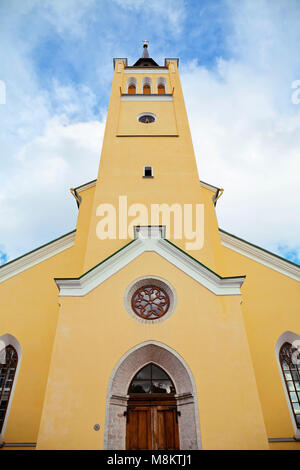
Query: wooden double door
x=152 y=425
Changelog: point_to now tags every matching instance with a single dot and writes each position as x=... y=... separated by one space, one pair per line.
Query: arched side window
x=147 y=86
x=289 y=358
x=8 y=366
x=161 y=86
x=151 y=379
x=131 y=86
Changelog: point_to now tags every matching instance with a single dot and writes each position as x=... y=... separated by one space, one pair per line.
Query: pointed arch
x=287 y=349
x=124 y=372
x=10 y=359
x=151 y=379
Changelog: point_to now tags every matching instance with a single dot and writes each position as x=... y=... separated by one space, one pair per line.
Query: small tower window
x=148 y=172
x=146 y=118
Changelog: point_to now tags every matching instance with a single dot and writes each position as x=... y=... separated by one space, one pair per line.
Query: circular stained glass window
x=146 y=118
x=150 y=302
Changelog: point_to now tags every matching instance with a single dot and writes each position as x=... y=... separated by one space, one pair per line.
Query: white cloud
x=170 y=13
x=245 y=130
x=35 y=202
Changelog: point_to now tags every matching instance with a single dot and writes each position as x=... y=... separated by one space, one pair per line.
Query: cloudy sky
x=239 y=61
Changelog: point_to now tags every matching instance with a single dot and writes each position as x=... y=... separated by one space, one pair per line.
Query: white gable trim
x=149 y=239
x=37 y=256
x=261 y=256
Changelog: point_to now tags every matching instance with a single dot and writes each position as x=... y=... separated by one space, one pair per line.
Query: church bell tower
x=148 y=159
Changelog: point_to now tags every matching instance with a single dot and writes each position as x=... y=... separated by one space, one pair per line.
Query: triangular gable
x=150 y=239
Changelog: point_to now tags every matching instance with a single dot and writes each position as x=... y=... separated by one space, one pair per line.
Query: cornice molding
x=88 y=185
x=169 y=60
x=142 y=97
x=260 y=255
x=149 y=239
x=92 y=183
x=14 y=267
x=145 y=70
x=210 y=187
x=120 y=59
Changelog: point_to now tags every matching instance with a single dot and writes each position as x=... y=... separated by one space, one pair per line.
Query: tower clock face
x=146 y=118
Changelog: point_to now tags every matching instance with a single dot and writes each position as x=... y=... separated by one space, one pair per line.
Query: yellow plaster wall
x=83 y=222
x=164 y=111
x=28 y=311
x=95 y=331
x=270 y=307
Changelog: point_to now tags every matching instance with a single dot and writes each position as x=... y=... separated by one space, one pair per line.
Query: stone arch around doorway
x=117 y=398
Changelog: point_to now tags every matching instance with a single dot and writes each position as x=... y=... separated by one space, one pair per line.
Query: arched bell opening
x=147 y=85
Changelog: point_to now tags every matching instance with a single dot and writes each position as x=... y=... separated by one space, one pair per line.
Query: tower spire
x=145 y=60
x=145 y=54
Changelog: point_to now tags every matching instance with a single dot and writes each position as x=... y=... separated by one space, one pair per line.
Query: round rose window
x=150 y=302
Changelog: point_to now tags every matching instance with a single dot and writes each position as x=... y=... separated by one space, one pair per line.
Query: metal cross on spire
x=145 y=49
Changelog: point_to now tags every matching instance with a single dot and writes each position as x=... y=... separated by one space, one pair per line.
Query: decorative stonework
x=173 y=364
x=150 y=302
x=160 y=284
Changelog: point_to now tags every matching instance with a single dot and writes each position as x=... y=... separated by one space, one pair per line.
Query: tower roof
x=145 y=60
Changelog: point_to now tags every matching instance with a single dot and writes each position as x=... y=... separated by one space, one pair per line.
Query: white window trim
x=146 y=114
x=148 y=166
x=287 y=337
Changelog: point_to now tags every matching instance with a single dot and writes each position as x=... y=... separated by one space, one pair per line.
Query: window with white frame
x=289 y=358
x=148 y=172
x=8 y=367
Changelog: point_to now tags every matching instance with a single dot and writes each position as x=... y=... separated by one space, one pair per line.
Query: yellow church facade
x=149 y=327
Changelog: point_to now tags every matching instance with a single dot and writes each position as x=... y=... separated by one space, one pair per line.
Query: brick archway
x=174 y=365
